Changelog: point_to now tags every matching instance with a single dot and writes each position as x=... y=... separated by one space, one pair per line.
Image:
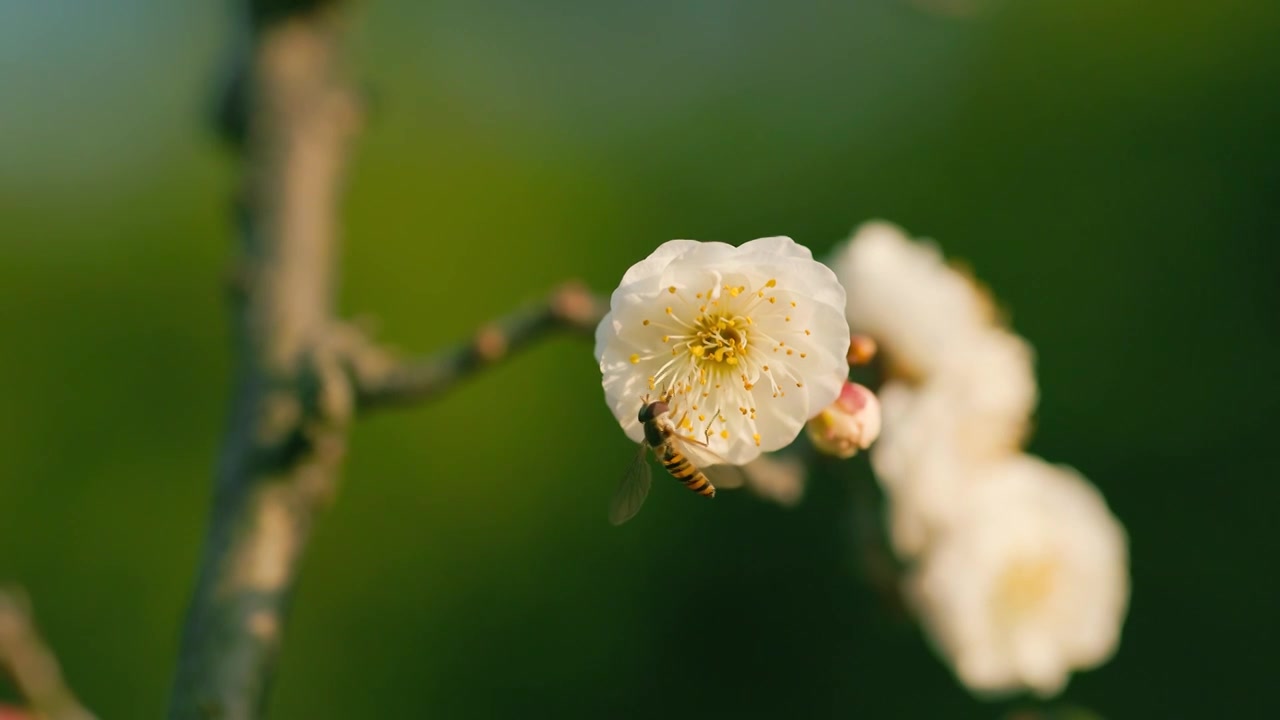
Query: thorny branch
x=31 y=663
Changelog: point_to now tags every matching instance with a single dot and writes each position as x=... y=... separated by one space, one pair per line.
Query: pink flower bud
x=849 y=424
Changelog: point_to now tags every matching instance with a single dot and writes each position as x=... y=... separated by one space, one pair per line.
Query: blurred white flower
x=849 y=424
x=776 y=477
x=903 y=294
x=745 y=343
x=1031 y=584
x=960 y=389
x=1020 y=571
x=938 y=431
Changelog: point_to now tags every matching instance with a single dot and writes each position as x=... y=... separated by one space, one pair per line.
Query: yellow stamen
x=635 y=358
x=672 y=289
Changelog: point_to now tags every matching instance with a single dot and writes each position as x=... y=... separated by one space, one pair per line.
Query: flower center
x=1026 y=583
x=719 y=339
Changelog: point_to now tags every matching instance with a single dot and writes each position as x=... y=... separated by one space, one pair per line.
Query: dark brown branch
x=382 y=380
x=31 y=664
x=282 y=452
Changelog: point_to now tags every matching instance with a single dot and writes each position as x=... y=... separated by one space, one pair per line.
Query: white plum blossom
x=744 y=343
x=903 y=294
x=960 y=389
x=1019 y=570
x=941 y=430
x=1033 y=585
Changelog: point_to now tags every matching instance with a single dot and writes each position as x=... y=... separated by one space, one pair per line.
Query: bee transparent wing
x=721 y=472
x=632 y=489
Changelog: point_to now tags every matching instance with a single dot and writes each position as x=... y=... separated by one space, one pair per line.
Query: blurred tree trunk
x=292 y=401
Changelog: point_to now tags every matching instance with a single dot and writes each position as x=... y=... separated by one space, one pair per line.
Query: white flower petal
x=1036 y=563
x=744 y=343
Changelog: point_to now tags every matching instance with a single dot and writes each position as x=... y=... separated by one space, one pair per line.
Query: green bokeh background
x=1111 y=168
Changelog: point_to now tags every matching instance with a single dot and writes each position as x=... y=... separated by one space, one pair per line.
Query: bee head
x=652 y=410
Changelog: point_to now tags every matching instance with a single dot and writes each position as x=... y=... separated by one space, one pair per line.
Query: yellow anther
x=719 y=353
x=668 y=309
x=771 y=283
x=666 y=338
x=773 y=299
x=742 y=410
x=724 y=434
x=697 y=350
x=799 y=384
x=699 y=296
x=686 y=423
x=702 y=418
x=733 y=291
x=731 y=360
x=793 y=303
x=760 y=293
x=806 y=332
x=635 y=358
x=787 y=318
x=764 y=368
x=672 y=289
x=646 y=323
x=804 y=355
x=756 y=437
x=788 y=351
x=747 y=386
x=702 y=308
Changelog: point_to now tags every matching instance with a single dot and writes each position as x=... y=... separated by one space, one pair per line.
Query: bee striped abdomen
x=684 y=471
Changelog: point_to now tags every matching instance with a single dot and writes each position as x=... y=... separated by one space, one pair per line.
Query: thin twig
x=381 y=380
x=35 y=671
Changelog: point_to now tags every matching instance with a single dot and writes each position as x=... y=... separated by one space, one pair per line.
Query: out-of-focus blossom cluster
x=1016 y=567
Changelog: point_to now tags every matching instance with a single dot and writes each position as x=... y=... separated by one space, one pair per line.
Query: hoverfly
x=673 y=452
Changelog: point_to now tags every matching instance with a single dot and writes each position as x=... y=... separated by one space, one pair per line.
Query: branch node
x=490 y=343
